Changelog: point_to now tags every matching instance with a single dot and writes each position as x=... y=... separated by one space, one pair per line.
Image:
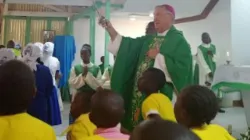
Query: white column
x=240 y=29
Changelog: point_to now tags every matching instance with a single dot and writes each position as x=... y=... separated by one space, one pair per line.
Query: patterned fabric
x=137 y=95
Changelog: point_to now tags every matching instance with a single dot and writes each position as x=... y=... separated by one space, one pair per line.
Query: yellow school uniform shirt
x=213 y=132
x=81 y=128
x=157 y=103
x=24 y=127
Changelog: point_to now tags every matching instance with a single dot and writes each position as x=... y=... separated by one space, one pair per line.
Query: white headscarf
x=48 y=48
x=40 y=45
x=6 y=55
x=30 y=54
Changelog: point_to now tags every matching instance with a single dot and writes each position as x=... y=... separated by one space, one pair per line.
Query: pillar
x=92 y=35
x=107 y=38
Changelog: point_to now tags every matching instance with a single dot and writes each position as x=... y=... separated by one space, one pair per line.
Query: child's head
x=2 y=46
x=86 y=53
x=81 y=104
x=107 y=109
x=196 y=106
x=11 y=44
x=17 y=87
x=151 y=81
x=158 y=129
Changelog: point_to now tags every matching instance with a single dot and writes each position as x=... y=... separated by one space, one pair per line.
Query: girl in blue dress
x=40 y=106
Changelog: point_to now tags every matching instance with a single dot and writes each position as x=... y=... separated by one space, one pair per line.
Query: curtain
x=65 y=50
x=15 y=30
x=36 y=30
x=59 y=27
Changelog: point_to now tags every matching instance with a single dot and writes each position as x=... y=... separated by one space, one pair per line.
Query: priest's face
x=163 y=20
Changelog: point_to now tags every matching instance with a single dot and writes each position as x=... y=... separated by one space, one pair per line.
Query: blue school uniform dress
x=40 y=106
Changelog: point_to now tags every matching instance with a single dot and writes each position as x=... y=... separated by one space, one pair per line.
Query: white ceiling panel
x=183 y=8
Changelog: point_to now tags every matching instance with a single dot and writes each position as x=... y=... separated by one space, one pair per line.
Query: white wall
x=124 y=26
x=217 y=24
x=240 y=31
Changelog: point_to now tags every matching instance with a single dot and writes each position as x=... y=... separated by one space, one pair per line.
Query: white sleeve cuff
x=152 y=112
x=114 y=46
x=161 y=64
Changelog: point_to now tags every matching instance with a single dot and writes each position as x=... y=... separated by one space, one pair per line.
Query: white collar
x=206 y=45
x=88 y=65
x=163 y=33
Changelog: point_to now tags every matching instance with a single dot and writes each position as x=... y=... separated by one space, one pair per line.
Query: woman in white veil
x=41 y=106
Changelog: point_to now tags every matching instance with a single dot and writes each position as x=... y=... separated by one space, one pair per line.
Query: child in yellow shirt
x=195 y=108
x=17 y=91
x=156 y=104
x=80 y=108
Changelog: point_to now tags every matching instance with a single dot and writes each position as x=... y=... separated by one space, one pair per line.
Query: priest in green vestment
x=167 y=50
x=207 y=57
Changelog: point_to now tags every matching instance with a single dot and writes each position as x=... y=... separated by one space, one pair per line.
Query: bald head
x=205 y=37
x=107 y=109
x=156 y=129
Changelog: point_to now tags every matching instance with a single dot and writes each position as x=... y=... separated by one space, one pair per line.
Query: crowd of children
x=27 y=88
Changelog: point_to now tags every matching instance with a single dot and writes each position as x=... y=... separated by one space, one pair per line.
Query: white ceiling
x=183 y=8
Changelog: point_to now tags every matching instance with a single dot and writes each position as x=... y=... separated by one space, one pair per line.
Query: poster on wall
x=48 y=36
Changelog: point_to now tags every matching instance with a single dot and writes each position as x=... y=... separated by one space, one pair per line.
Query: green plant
x=245 y=136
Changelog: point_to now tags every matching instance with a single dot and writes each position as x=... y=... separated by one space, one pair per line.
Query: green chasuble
x=102 y=68
x=79 y=70
x=208 y=58
x=132 y=61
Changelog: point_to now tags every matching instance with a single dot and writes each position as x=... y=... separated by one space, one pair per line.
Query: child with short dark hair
x=158 y=129
x=18 y=89
x=107 y=110
x=80 y=108
x=156 y=104
x=195 y=108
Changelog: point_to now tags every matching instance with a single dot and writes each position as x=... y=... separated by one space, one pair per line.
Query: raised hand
x=104 y=22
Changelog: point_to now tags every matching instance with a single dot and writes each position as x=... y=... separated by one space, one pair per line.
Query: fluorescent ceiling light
x=151 y=15
x=132 y=17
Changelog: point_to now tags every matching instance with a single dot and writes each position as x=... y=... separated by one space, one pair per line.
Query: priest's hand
x=85 y=71
x=108 y=26
x=152 y=53
x=104 y=22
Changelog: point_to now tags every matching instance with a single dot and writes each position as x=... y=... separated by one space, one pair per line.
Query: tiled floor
x=233 y=116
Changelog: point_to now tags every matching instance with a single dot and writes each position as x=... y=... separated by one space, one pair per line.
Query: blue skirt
x=39 y=107
x=54 y=109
